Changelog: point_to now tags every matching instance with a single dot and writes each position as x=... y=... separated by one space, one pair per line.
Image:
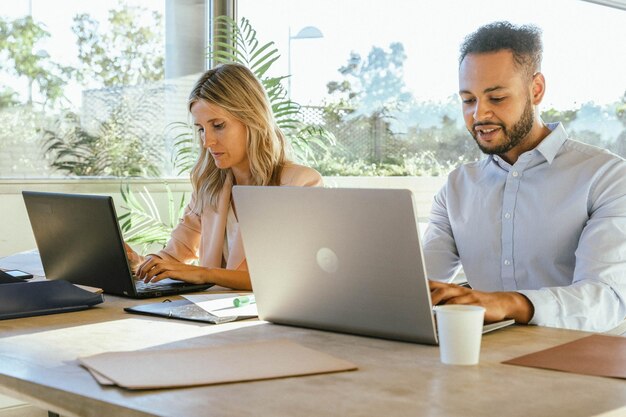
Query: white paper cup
x=460 y=328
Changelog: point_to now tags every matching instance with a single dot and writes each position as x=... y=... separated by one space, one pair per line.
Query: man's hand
x=498 y=305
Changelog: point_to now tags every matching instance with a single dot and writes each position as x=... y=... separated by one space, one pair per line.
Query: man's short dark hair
x=523 y=41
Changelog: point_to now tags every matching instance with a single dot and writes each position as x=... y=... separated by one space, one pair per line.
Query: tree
x=362 y=105
x=129 y=52
x=18 y=41
x=564 y=116
x=375 y=84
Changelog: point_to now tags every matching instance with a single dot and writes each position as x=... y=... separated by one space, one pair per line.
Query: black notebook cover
x=25 y=299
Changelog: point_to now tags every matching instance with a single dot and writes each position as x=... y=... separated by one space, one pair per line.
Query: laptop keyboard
x=154 y=286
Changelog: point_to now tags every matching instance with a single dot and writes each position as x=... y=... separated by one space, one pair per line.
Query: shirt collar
x=548 y=147
x=551 y=144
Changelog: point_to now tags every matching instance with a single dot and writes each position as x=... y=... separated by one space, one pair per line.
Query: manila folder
x=168 y=368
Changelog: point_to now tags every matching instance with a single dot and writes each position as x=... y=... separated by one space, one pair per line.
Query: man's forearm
x=519 y=307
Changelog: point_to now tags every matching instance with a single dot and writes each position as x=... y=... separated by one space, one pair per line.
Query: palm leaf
x=142 y=223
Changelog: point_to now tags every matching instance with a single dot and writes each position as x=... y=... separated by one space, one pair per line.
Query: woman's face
x=222 y=135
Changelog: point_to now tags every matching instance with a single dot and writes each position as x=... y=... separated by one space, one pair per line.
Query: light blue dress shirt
x=552 y=226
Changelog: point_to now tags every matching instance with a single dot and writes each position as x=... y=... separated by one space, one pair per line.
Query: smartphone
x=19 y=274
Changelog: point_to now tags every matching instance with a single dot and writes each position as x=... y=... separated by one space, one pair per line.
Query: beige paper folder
x=597 y=355
x=101 y=379
x=149 y=369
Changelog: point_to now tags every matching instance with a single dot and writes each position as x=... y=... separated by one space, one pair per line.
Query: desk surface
x=38 y=364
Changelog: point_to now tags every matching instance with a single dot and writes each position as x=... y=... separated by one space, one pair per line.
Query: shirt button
x=507 y=262
x=515 y=174
x=507 y=215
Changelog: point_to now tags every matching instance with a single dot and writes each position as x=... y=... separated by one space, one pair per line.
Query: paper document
x=222 y=305
x=269 y=359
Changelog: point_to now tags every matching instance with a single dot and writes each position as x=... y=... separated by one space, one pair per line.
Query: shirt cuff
x=545 y=306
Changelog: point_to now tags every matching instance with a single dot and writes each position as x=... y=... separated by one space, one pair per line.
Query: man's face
x=496 y=98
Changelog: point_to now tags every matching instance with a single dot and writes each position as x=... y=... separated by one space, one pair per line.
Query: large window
x=96 y=88
x=382 y=76
x=82 y=89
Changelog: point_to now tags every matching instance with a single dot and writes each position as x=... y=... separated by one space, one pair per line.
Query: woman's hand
x=155 y=269
x=134 y=259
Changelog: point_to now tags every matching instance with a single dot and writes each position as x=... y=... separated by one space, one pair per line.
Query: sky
x=584 y=43
x=584 y=51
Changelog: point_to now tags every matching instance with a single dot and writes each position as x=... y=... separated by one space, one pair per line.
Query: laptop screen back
x=346 y=260
x=79 y=240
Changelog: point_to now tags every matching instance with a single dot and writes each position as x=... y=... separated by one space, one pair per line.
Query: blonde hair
x=234 y=88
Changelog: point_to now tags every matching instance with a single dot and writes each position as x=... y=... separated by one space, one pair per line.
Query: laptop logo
x=327 y=260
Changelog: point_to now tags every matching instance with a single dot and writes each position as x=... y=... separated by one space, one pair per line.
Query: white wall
x=16 y=234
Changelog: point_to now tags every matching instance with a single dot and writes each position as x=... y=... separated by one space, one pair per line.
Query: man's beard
x=511 y=139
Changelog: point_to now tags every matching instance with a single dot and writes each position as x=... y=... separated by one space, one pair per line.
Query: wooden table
x=38 y=364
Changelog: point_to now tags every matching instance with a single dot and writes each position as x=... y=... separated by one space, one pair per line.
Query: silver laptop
x=79 y=240
x=346 y=260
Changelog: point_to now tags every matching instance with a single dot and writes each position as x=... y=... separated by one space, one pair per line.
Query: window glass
x=81 y=88
x=382 y=76
x=84 y=89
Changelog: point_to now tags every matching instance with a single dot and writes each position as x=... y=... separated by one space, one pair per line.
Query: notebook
x=339 y=259
x=79 y=240
x=185 y=310
x=26 y=299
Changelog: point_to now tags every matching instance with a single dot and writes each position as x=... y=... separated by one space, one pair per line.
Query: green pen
x=242 y=301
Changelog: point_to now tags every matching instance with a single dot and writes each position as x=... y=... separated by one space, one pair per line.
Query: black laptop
x=79 y=240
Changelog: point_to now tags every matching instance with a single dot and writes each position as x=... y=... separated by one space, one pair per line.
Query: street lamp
x=307 y=32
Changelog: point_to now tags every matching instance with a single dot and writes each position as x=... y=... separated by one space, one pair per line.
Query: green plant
x=238 y=42
x=142 y=223
x=113 y=148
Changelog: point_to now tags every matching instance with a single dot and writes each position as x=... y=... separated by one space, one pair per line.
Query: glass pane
x=82 y=89
x=382 y=76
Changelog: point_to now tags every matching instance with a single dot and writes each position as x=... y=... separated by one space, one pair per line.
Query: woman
x=241 y=145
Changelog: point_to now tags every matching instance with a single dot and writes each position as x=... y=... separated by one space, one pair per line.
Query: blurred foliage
x=374 y=84
x=21 y=56
x=129 y=50
x=423 y=164
x=142 y=222
x=8 y=98
x=111 y=149
x=21 y=155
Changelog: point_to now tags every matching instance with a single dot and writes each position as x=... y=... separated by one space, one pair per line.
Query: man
x=539 y=226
